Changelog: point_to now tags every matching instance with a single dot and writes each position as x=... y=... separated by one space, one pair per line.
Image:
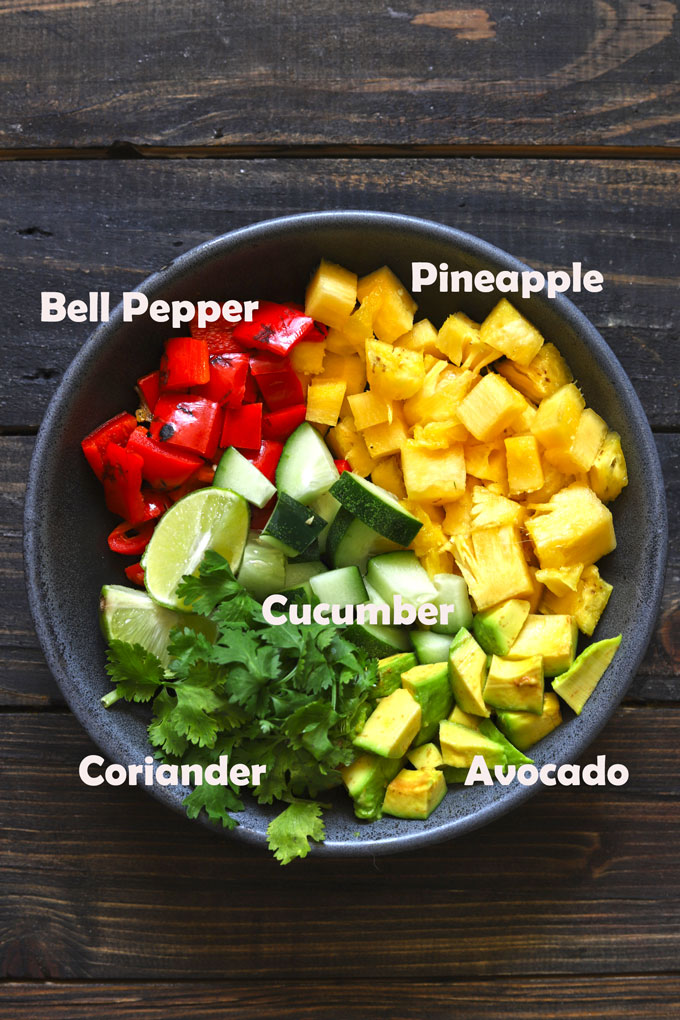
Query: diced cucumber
x=312 y=554
x=351 y=542
x=431 y=647
x=376 y=507
x=292 y=526
x=378 y=639
x=263 y=568
x=238 y=474
x=300 y=573
x=327 y=507
x=301 y=594
x=373 y=595
x=342 y=587
x=452 y=591
x=306 y=469
x=400 y=573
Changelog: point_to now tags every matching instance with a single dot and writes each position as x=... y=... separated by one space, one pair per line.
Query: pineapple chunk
x=442 y=391
x=493 y=564
x=433 y=476
x=457 y=519
x=574 y=527
x=478 y=355
x=430 y=544
x=609 y=475
x=360 y=459
x=343 y=437
x=359 y=326
x=561 y=580
x=487 y=461
x=553 y=481
x=348 y=368
x=558 y=416
x=525 y=473
x=388 y=438
x=395 y=372
x=338 y=343
x=369 y=408
x=506 y=330
x=454 y=336
x=545 y=374
x=422 y=338
x=490 y=510
x=388 y=475
x=331 y=294
x=324 y=400
x=385 y=279
x=394 y=315
x=490 y=407
x=523 y=422
x=307 y=357
x=536 y=592
x=437 y=435
x=580 y=455
x=586 y=604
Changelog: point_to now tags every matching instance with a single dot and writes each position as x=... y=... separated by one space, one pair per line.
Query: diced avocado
x=414 y=793
x=427 y=756
x=578 y=683
x=467 y=673
x=391 y=727
x=452 y=591
x=464 y=718
x=431 y=647
x=459 y=745
x=454 y=775
x=497 y=629
x=515 y=684
x=553 y=637
x=524 y=728
x=390 y=670
x=513 y=756
x=429 y=685
x=366 y=780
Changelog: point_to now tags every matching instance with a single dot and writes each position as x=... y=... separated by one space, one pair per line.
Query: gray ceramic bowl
x=67 y=558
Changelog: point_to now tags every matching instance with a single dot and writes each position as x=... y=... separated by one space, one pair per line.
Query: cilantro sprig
x=290 y=697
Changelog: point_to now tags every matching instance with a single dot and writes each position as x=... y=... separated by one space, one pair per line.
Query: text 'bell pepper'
x=190 y=422
x=274 y=328
x=277 y=381
x=116 y=430
x=243 y=427
x=184 y=363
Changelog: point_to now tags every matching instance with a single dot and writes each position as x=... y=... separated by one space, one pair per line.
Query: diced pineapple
x=490 y=407
x=395 y=372
x=553 y=481
x=385 y=279
x=523 y=422
x=454 y=336
x=343 y=437
x=433 y=476
x=422 y=338
x=580 y=455
x=442 y=391
x=537 y=591
x=506 y=330
x=388 y=438
x=545 y=374
x=609 y=475
x=457 y=519
x=487 y=461
x=430 y=544
x=586 y=604
x=331 y=294
x=307 y=358
x=478 y=355
x=338 y=343
x=493 y=565
x=561 y=580
x=360 y=459
x=324 y=400
x=369 y=408
x=349 y=368
x=490 y=510
x=558 y=416
x=388 y=474
x=525 y=473
x=359 y=326
x=573 y=527
x=437 y=435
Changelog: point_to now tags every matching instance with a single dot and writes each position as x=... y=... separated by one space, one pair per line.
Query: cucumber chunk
x=238 y=474
x=431 y=647
x=342 y=587
x=452 y=591
x=292 y=526
x=306 y=469
x=351 y=542
x=376 y=507
x=400 y=573
x=263 y=568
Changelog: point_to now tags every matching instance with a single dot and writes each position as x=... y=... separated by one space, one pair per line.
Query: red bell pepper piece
x=155 y=503
x=227 y=384
x=218 y=336
x=280 y=424
x=251 y=394
x=243 y=427
x=164 y=467
x=116 y=430
x=277 y=381
x=274 y=328
x=131 y=539
x=343 y=465
x=266 y=458
x=123 y=483
x=135 y=573
x=259 y=517
x=149 y=387
x=193 y=423
x=184 y=363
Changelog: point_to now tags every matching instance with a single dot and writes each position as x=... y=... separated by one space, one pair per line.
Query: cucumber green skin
x=288 y=525
x=301 y=594
x=378 y=640
x=350 y=542
x=431 y=647
x=395 y=524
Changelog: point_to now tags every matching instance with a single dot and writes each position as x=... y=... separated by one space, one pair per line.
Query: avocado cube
x=578 y=683
x=515 y=684
x=366 y=780
x=427 y=756
x=464 y=718
x=391 y=727
x=459 y=745
x=454 y=775
x=513 y=756
x=497 y=629
x=524 y=728
x=467 y=673
x=414 y=793
x=429 y=685
x=553 y=637
x=390 y=670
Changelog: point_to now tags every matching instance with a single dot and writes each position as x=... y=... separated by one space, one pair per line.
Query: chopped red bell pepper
x=184 y=363
x=277 y=381
x=274 y=328
x=155 y=503
x=165 y=467
x=116 y=430
x=243 y=427
x=218 y=336
x=343 y=465
x=135 y=573
x=123 y=483
x=251 y=394
x=193 y=423
x=259 y=517
x=280 y=424
x=266 y=458
x=227 y=384
x=131 y=539
x=149 y=387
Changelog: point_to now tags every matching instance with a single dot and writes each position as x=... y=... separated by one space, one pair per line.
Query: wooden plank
x=522 y=998
x=313 y=73
x=107 y=884
x=81 y=226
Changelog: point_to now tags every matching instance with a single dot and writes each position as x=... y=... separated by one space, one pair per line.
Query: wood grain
x=500 y=71
x=81 y=226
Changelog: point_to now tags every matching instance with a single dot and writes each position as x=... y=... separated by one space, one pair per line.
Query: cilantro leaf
x=216 y=801
x=136 y=673
x=288 y=835
x=162 y=730
x=214 y=584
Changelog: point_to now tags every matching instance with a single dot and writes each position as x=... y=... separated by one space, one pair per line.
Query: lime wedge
x=215 y=519
x=127 y=614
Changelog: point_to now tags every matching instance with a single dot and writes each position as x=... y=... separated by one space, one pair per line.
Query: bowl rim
x=282 y=226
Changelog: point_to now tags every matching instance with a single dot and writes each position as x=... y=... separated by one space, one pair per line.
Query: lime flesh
x=132 y=616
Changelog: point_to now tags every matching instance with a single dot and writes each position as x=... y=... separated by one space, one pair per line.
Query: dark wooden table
x=132 y=131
